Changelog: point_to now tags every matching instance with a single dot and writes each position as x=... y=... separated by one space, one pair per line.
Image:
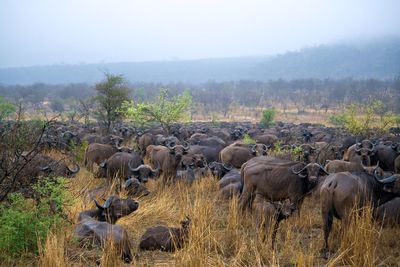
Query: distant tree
x=6 y=108
x=57 y=105
x=85 y=108
x=111 y=93
x=268 y=116
x=163 y=109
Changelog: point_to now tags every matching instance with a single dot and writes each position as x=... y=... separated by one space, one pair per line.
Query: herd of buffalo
x=271 y=174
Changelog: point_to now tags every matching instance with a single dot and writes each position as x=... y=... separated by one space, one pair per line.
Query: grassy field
x=220 y=235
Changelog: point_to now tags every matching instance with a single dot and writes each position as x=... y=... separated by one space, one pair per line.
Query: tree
x=164 y=109
x=111 y=93
x=6 y=109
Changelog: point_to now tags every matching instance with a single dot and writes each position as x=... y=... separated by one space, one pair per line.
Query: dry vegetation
x=220 y=236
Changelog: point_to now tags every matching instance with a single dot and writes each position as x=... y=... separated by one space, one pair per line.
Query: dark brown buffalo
x=135 y=188
x=143 y=172
x=97 y=153
x=144 y=141
x=219 y=169
x=98 y=225
x=196 y=160
x=108 y=139
x=365 y=150
x=277 y=180
x=231 y=184
x=42 y=165
x=388 y=213
x=386 y=155
x=117 y=166
x=165 y=238
x=238 y=153
x=270 y=214
x=168 y=157
x=326 y=151
x=266 y=139
x=334 y=166
x=341 y=192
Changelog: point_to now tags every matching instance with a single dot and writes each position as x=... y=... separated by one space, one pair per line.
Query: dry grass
x=220 y=236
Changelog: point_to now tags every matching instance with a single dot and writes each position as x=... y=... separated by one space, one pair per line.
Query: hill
x=378 y=59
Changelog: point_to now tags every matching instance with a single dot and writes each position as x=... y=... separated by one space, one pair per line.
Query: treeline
x=378 y=59
x=220 y=96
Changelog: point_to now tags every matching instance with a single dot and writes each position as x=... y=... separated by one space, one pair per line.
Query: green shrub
x=268 y=116
x=78 y=151
x=24 y=223
x=338 y=120
x=361 y=119
x=248 y=140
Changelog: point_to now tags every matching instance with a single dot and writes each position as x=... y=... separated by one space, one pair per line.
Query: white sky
x=39 y=32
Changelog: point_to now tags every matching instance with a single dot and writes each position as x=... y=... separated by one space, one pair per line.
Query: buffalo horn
x=387 y=180
x=305 y=167
x=133 y=169
x=157 y=169
x=74 y=171
x=100 y=207
x=186 y=148
x=227 y=167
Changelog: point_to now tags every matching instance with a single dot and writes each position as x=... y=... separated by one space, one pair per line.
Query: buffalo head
x=143 y=172
x=219 y=169
x=178 y=150
x=115 y=208
x=259 y=149
x=135 y=188
x=311 y=171
x=390 y=184
x=365 y=149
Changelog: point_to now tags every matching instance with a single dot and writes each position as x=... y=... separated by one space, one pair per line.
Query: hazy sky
x=39 y=32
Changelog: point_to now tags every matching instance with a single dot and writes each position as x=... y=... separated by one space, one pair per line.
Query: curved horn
x=74 y=171
x=103 y=164
x=253 y=148
x=100 y=207
x=168 y=145
x=387 y=180
x=305 y=167
x=265 y=148
x=133 y=169
x=227 y=167
x=186 y=148
x=108 y=202
x=358 y=149
x=45 y=168
x=157 y=169
x=322 y=168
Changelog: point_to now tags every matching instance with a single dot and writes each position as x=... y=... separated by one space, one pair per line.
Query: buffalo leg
x=328 y=220
x=246 y=198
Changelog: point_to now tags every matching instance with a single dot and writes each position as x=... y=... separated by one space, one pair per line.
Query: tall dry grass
x=220 y=235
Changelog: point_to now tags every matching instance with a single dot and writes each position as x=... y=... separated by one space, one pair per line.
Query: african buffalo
x=238 y=153
x=99 y=225
x=388 y=213
x=386 y=155
x=165 y=238
x=119 y=165
x=135 y=188
x=271 y=214
x=97 y=153
x=169 y=158
x=341 y=192
x=277 y=179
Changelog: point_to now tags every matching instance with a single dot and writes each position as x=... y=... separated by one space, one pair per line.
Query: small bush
x=24 y=223
x=268 y=116
x=248 y=140
x=78 y=151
